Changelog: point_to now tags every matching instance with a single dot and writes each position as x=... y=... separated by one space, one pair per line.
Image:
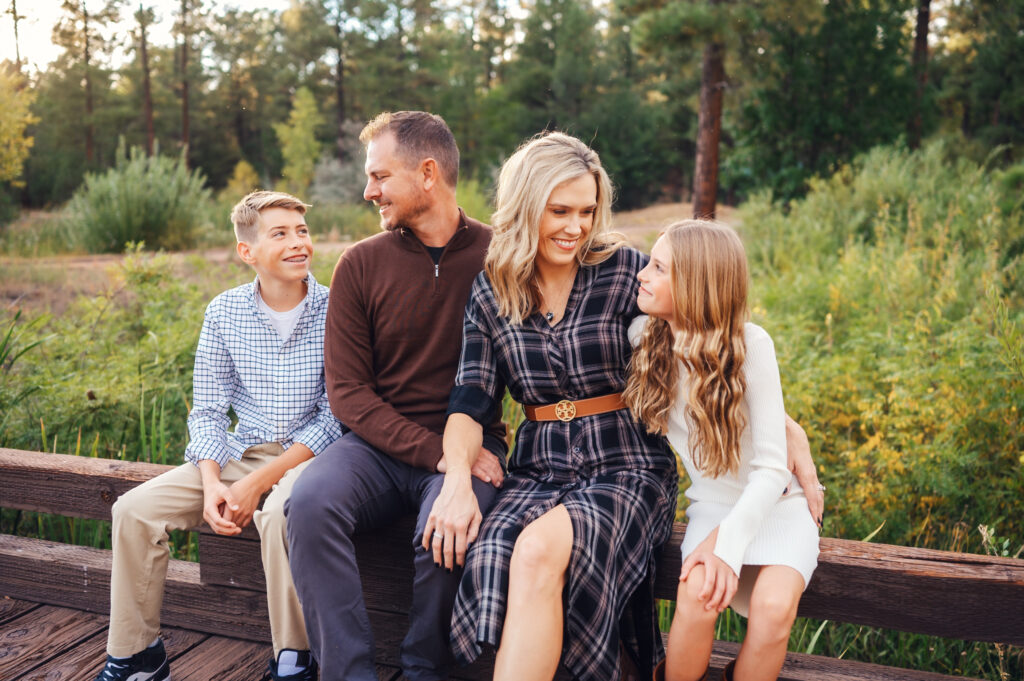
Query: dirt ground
x=46 y=284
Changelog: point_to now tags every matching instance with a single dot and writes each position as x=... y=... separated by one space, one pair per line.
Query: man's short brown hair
x=419 y=135
x=245 y=216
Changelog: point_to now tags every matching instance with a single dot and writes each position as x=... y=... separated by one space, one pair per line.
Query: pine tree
x=299 y=144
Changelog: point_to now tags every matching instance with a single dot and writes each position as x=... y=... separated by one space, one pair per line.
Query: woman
x=590 y=494
x=710 y=382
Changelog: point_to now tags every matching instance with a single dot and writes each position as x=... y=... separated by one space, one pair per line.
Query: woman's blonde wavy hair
x=709 y=296
x=526 y=181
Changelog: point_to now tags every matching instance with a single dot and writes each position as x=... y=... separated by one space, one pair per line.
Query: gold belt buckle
x=565 y=411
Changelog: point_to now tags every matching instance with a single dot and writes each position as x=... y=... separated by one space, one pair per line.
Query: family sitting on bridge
x=425 y=327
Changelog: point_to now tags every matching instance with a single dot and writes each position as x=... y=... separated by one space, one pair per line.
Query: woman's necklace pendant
x=549 y=316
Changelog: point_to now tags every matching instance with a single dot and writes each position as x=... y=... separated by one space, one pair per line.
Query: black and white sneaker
x=308 y=671
x=147 y=665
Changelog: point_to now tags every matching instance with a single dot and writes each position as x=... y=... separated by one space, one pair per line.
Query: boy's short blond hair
x=245 y=216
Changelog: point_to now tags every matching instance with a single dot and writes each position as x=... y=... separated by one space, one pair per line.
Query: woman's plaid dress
x=617 y=482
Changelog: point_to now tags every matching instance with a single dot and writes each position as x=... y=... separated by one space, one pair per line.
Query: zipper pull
x=437 y=270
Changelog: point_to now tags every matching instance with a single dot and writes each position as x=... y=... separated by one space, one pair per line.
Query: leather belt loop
x=567 y=410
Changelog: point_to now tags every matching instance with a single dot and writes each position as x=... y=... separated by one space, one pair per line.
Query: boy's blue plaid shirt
x=275 y=388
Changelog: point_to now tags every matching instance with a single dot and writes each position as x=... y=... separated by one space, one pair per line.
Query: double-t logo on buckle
x=565 y=411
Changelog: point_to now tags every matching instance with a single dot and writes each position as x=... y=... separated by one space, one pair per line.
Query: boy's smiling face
x=283 y=250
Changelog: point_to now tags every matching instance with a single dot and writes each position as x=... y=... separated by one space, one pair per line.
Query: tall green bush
x=154 y=200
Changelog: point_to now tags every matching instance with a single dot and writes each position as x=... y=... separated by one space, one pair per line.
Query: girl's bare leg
x=773 y=604
x=692 y=632
x=531 y=640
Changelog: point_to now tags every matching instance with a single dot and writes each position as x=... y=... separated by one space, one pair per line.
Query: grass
x=36 y=234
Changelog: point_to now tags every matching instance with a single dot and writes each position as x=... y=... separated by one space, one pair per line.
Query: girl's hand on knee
x=720 y=582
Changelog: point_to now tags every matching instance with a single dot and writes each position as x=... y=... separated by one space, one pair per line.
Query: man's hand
x=486 y=467
x=454 y=520
x=218 y=507
x=720 y=582
x=246 y=493
x=801 y=465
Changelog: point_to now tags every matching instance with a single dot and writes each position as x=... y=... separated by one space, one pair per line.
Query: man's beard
x=404 y=219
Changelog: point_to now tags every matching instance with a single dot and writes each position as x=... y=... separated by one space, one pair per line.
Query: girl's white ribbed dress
x=758 y=524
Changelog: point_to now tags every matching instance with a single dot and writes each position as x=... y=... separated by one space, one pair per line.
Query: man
x=393 y=337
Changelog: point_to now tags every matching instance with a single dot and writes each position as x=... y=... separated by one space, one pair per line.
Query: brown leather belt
x=567 y=410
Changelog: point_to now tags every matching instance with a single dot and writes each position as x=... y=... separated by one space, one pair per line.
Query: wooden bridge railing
x=955 y=595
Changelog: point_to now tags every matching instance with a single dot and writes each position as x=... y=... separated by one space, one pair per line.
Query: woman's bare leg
x=773 y=604
x=692 y=632
x=531 y=640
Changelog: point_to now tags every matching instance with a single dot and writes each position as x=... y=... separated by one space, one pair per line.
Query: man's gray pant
x=352 y=487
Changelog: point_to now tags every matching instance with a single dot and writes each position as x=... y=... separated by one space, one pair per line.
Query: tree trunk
x=17 y=48
x=147 y=93
x=184 y=77
x=920 y=73
x=239 y=107
x=339 y=90
x=90 y=151
x=709 y=129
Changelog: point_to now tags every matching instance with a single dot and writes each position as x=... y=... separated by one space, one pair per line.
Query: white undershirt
x=284 y=322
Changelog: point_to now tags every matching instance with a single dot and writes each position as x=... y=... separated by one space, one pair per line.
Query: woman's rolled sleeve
x=477 y=382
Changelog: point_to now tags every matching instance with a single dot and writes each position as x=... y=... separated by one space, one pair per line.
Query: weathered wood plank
x=79 y=577
x=384 y=557
x=871 y=584
x=800 y=667
x=899 y=588
x=77 y=486
x=42 y=634
x=385 y=673
x=895 y=587
x=12 y=607
x=224 y=659
x=84 y=661
x=389 y=630
x=230 y=561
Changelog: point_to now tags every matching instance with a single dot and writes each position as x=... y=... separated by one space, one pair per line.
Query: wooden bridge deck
x=40 y=642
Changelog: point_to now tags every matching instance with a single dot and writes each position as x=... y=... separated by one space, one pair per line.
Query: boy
x=260 y=352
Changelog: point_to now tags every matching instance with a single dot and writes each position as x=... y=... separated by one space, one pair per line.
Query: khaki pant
x=142 y=519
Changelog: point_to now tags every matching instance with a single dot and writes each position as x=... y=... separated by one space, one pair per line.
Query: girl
x=708 y=380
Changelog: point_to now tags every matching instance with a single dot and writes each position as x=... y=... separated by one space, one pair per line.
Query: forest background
x=871 y=154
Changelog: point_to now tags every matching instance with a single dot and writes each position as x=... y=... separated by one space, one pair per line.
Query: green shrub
x=347 y=221
x=475 y=200
x=896 y=303
x=13 y=345
x=113 y=360
x=35 y=234
x=154 y=200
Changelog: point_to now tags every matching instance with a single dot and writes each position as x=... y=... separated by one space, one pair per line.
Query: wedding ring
x=821 y=487
x=438 y=536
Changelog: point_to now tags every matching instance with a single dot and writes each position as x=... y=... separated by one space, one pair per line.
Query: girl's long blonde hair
x=526 y=181
x=709 y=296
